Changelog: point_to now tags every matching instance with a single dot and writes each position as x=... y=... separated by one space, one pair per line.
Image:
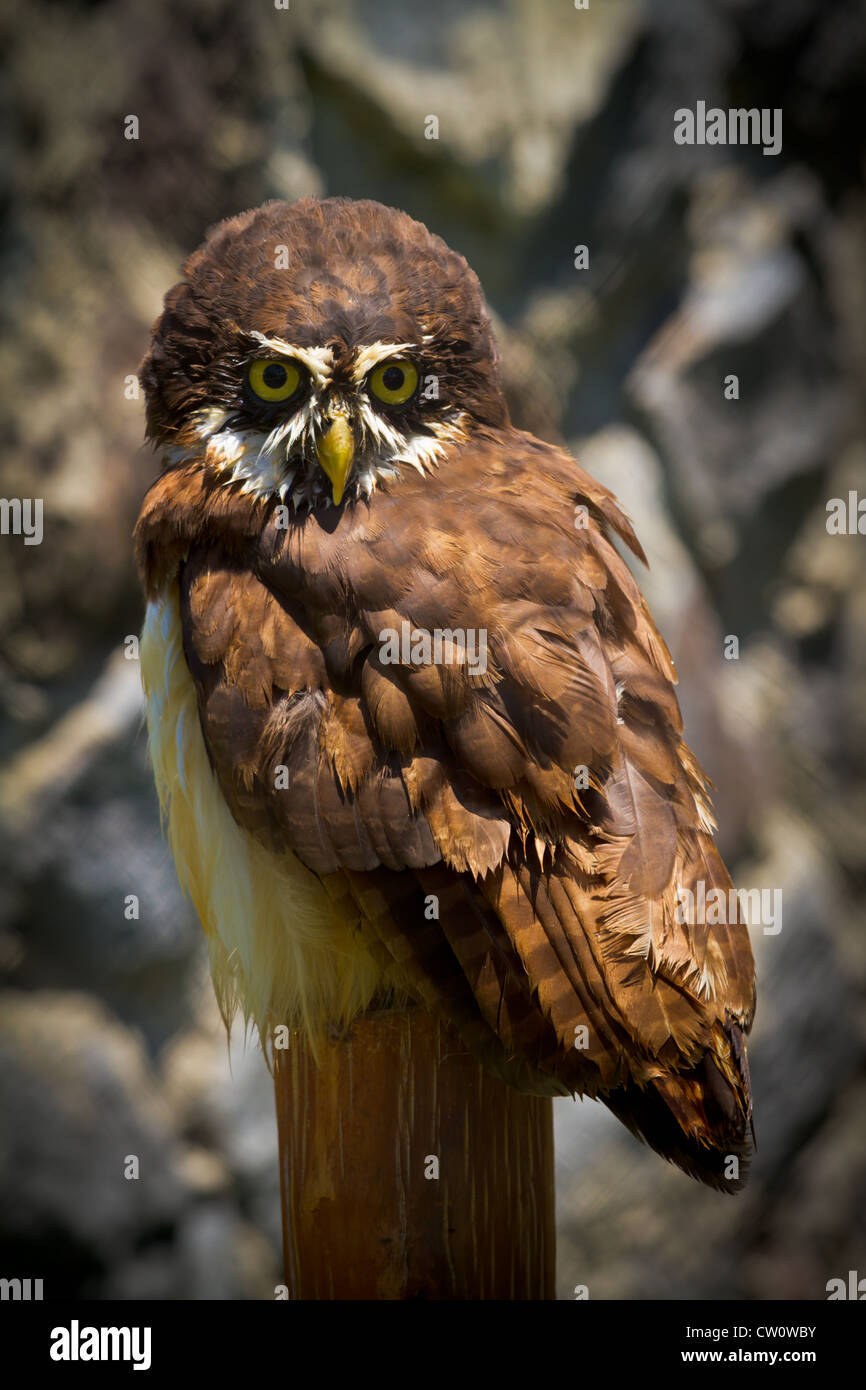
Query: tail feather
x=701 y=1119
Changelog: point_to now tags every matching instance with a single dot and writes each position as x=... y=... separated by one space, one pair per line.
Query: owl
x=413 y=729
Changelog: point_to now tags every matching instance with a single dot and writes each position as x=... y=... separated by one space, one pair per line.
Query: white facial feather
x=318 y=361
x=282 y=461
x=366 y=358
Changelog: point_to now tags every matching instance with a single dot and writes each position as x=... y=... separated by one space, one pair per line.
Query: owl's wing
x=533 y=789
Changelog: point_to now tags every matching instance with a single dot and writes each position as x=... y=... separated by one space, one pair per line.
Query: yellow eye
x=273 y=380
x=394 y=382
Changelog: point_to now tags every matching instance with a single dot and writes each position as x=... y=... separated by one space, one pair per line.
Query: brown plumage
x=543 y=797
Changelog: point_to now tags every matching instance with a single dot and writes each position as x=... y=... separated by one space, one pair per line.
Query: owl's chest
x=256 y=900
x=278 y=694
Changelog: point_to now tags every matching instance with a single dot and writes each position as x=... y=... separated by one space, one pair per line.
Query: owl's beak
x=335 y=451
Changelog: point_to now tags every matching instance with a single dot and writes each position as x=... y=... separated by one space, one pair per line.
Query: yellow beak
x=335 y=451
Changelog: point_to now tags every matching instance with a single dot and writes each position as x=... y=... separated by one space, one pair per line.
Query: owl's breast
x=276 y=938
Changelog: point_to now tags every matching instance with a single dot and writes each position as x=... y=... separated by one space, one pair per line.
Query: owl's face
x=316 y=349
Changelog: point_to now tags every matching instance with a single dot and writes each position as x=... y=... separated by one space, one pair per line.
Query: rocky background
x=555 y=130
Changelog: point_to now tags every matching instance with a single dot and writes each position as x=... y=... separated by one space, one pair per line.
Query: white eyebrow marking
x=318 y=361
x=369 y=357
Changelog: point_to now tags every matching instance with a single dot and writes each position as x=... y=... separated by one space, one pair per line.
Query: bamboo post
x=407 y=1171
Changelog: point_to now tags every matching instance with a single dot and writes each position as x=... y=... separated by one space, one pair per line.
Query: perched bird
x=413 y=728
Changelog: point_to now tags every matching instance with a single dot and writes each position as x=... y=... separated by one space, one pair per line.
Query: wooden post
x=397 y=1099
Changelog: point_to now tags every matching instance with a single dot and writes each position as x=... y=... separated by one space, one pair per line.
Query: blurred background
x=555 y=129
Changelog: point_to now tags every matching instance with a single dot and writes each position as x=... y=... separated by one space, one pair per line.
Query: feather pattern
x=504 y=833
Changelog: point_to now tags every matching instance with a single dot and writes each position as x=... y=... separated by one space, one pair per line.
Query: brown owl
x=413 y=728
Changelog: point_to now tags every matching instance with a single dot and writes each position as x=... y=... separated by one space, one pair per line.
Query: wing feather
x=549 y=796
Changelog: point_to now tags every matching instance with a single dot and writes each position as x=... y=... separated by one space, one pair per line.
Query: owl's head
x=315 y=348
